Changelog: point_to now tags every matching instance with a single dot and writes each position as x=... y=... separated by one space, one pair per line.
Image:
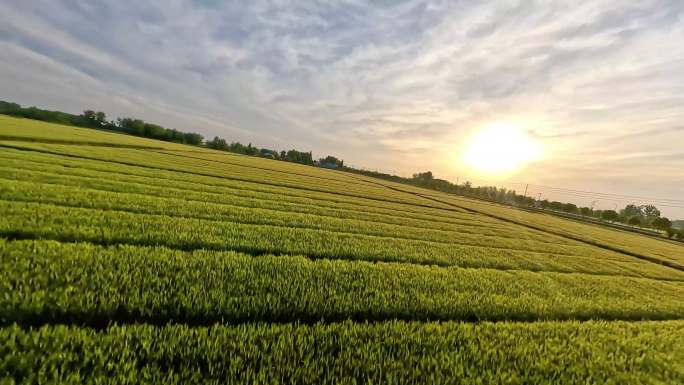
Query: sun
x=501 y=148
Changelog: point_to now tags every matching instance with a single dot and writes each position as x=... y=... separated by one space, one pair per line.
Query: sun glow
x=501 y=148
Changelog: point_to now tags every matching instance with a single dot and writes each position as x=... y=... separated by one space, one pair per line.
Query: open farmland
x=132 y=260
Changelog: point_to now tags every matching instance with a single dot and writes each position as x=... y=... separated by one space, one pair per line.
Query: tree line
x=289 y=156
x=644 y=216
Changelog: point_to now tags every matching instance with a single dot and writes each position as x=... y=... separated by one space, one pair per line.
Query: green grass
x=72 y=224
x=124 y=175
x=131 y=260
x=240 y=211
x=349 y=353
x=94 y=284
x=276 y=199
x=162 y=161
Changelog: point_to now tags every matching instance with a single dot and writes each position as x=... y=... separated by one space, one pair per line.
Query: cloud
x=399 y=82
x=566 y=134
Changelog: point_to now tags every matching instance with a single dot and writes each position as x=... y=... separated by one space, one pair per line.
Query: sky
x=398 y=86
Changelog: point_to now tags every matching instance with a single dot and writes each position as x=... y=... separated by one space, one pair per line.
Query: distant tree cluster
x=331 y=162
x=36 y=113
x=299 y=157
x=644 y=216
x=236 y=147
x=289 y=156
x=138 y=127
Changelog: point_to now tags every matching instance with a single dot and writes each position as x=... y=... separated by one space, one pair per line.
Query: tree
x=555 y=205
x=424 y=176
x=9 y=108
x=609 y=215
x=569 y=208
x=101 y=118
x=192 y=138
x=132 y=126
x=662 y=223
x=331 y=162
x=671 y=233
x=94 y=119
x=630 y=211
x=634 y=220
x=251 y=150
x=521 y=200
x=585 y=211
x=217 y=144
x=154 y=131
x=649 y=211
x=299 y=157
x=89 y=114
x=237 y=147
x=266 y=153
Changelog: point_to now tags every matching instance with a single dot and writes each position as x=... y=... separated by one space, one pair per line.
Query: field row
x=273 y=195
x=177 y=207
x=178 y=161
x=267 y=201
x=36 y=131
x=349 y=353
x=193 y=182
x=651 y=248
x=262 y=164
x=51 y=282
x=208 y=168
x=34 y=220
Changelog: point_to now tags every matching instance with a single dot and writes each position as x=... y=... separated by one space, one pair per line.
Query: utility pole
x=525 y=195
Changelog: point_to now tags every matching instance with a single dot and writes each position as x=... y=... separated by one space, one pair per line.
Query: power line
x=611 y=194
x=599 y=196
x=612 y=197
x=592 y=196
x=623 y=200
